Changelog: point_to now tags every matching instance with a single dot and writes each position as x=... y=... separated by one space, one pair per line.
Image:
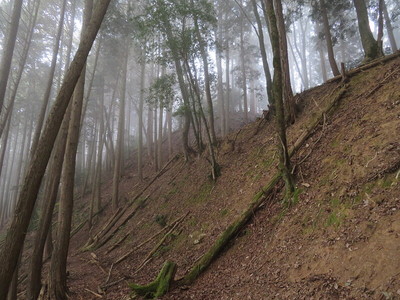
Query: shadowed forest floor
x=340 y=240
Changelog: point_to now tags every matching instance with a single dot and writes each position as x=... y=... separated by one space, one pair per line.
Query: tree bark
x=16 y=233
x=328 y=38
x=51 y=190
x=288 y=99
x=370 y=45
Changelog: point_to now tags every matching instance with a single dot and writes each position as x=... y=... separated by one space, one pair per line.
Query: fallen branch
x=80 y=226
x=111 y=221
x=94 y=293
x=108 y=285
x=148 y=257
x=380 y=83
x=161 y=172
x=119 y=242
x=123 y=257
x=109 y=273
x=104 y=236
x=112 y=233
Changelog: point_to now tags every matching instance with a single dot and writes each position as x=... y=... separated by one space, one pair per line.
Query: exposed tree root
x=160 y=285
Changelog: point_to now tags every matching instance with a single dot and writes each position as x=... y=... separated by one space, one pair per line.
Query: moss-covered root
x=160 y=285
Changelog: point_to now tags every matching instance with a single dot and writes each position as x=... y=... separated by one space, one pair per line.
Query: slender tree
x=328 y=38
x=121 y=128
x=389 y=27
x=50 y=79
x=9 y=50
x=277 y=93
x=287 y=86
x=58 y=267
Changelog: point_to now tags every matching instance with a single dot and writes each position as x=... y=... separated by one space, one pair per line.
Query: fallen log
x=365 y=67
x=123 y=257
x=159 y=244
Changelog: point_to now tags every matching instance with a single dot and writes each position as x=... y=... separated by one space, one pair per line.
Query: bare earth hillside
x=339 y=240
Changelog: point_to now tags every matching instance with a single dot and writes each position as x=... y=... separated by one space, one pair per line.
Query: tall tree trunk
x=50 y=79
x=243 y=71
x=140 y=116
x=261 y=42
x=156 y=165
x=328 y=38
x=287 y=87
x=204 y=57
x=51 y=190
x=160 y=135
x=380 y=25
x=228 y=87
x=184 y=92
x=58 y=266
x=101 y=135
x=16 y=233
x=215 y=169
x=370 y=45
x=22 y=61
x=120 y=137
x=322 y=62
x=220 y=88
x=278 y=85
x=169 y=120
x=389 y=28
x=4 y=145
x=9 y=50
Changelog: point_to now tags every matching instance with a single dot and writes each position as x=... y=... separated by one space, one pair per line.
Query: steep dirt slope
x=339 y=241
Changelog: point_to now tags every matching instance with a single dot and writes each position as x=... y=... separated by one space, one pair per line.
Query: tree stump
x=160 y=285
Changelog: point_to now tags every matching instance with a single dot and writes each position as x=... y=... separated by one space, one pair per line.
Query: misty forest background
x=162 y=76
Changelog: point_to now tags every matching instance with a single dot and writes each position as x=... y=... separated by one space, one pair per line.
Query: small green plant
x=224 y=212
x=334 y=219
x=296 y=194
x=161 y=220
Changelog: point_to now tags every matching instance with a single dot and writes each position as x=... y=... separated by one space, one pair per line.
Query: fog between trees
x=162 y=76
